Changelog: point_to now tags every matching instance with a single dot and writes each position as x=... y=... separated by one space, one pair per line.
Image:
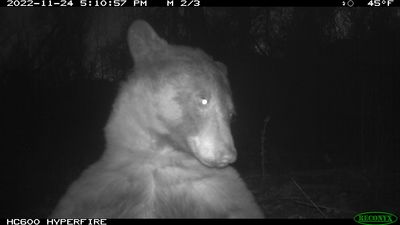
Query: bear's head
x=178 y=98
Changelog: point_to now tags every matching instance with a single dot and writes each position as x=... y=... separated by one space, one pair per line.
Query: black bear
x=168 y=142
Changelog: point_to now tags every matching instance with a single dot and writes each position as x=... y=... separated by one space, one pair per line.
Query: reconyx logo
x=375 y=218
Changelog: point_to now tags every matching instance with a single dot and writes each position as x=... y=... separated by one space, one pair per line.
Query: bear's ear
x=143 y=41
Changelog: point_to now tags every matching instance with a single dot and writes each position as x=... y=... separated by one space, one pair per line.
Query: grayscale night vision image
x=201 y=112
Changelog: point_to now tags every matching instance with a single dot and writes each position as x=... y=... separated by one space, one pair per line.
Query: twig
x=308 y=198
x=320 y=206
x=266 y=120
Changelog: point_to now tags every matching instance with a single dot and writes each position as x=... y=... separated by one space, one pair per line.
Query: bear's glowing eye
x=204 y=101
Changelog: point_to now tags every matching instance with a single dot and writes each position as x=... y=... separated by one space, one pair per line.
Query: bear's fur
x=168 y=142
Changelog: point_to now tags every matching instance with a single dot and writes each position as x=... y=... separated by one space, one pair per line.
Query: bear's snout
x=226 y=157
x=211 y=152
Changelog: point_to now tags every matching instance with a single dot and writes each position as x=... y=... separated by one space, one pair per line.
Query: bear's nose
x=227 y=157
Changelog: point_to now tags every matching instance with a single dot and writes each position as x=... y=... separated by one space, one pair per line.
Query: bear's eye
x=204 y=101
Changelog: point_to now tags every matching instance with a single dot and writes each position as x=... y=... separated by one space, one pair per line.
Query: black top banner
x=199 y=3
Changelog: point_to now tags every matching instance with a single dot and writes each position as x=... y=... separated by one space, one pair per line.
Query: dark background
x=316 y=92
